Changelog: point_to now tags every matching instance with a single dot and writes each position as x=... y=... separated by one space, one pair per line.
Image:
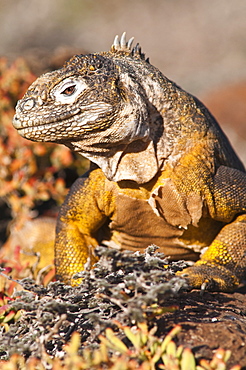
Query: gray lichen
x=122 y=286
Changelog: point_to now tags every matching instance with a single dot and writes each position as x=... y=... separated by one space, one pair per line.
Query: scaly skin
x=163 y=171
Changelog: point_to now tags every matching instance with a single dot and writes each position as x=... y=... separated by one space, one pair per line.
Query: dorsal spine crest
x=121 y=45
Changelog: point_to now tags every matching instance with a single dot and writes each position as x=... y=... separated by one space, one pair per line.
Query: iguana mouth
x=49 y=128
x=36 y=132
x=40 y=120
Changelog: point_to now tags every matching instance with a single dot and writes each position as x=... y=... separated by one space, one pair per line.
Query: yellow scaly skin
x=163 y=172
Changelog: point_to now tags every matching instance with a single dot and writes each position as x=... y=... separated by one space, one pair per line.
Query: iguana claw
x=210 y=277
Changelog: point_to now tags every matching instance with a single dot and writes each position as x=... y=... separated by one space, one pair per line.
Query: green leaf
x=114 y=342
x=188 y=360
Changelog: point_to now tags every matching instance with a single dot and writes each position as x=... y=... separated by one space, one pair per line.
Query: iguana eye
x=68 y=90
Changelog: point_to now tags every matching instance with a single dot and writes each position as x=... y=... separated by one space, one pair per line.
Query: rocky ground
x=210 y=321
x=129 y=288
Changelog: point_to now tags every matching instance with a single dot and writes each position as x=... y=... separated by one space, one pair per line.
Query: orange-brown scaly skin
x=163 y=171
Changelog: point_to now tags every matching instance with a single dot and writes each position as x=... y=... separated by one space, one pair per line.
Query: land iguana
x=162 y=172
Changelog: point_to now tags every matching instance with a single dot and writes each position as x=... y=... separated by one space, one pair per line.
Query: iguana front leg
x=223 y=265
x=78 y=223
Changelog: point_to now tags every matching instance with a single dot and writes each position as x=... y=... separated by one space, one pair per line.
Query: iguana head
x=102 y=106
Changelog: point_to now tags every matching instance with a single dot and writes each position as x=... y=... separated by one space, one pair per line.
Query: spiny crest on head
x=121 y=45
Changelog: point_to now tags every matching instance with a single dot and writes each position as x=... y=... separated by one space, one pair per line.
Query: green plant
x=150 y=352
x=145 y=352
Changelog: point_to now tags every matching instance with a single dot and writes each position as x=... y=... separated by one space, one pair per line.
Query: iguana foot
x=210 y=277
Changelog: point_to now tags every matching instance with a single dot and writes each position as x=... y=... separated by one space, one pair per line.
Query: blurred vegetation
x=30 y=173
x=145 y=352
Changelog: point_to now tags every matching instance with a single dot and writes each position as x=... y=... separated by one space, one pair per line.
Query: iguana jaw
x=75 y=122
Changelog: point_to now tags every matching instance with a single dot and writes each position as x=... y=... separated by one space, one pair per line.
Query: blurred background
x=200 y=45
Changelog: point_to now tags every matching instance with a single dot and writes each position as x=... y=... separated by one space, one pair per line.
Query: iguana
x=162 y=172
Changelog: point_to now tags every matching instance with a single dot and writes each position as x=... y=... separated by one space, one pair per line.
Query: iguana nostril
x=16 y=122
x=28 y=104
